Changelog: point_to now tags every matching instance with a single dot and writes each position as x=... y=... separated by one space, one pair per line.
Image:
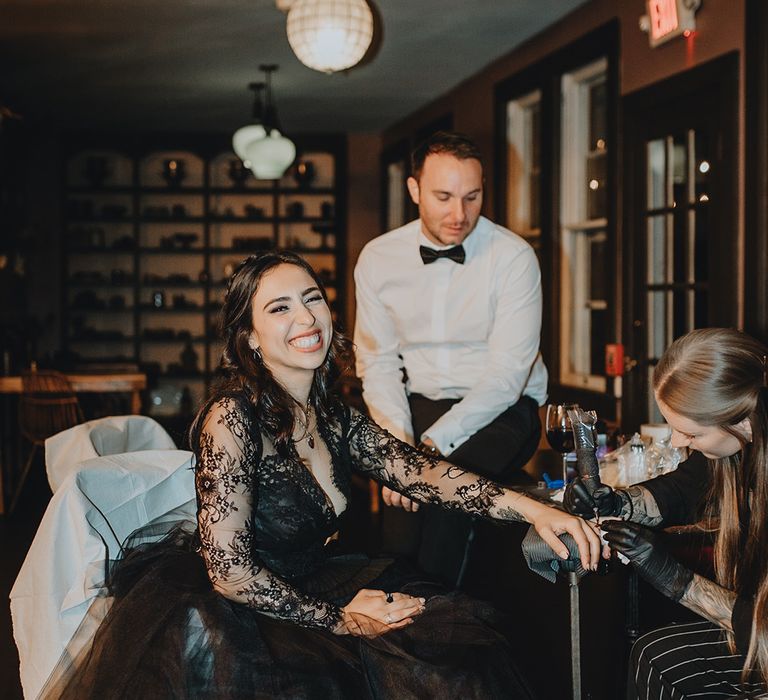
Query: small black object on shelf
x=96 y=170
x=188 y=358
x=114 y=211
x=253 y=212
x=295 y=210
x=238 y=173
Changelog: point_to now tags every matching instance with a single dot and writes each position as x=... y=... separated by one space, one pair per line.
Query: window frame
x=546 y=75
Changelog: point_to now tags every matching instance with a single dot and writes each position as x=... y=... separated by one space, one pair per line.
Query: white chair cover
x=97 y=504
x=98 y=438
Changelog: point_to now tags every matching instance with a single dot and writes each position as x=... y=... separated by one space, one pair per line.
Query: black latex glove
x=651 y=559
x=578 y=501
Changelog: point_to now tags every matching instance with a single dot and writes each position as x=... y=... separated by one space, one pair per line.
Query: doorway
x=681 y=237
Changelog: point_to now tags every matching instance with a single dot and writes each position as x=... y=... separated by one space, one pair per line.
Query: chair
x=57 y=600
x=47 y=406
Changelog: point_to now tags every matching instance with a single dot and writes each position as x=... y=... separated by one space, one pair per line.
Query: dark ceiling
x=185 y=64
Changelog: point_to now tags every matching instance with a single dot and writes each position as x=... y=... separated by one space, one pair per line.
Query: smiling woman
x=260 y=600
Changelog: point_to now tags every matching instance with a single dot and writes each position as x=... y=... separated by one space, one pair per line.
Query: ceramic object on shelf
x=304 y=173
x=174 y=172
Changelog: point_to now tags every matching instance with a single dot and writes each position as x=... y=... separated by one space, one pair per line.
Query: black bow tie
x=429 y=255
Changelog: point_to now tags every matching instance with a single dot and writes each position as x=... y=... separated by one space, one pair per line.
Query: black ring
x=390 y=598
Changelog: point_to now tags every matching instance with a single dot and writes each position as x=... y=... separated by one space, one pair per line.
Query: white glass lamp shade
x=330 y=35
x=244 y=136
x=269 y=158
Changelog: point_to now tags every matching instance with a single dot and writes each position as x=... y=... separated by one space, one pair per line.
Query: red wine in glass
x=561 y=440
x=559 y=431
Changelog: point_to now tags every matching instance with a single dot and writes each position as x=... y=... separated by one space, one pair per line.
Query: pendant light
x=261 y=146
x=251 y=132
x=329 y=35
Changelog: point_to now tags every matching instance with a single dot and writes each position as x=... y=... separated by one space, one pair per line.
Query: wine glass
x=560 y=432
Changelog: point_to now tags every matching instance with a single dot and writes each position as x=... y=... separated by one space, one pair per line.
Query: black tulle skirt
x=168 y=634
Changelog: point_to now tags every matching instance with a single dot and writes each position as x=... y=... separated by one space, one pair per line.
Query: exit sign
x=667 y=19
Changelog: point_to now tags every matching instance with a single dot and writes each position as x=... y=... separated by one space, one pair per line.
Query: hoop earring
x=257 y=355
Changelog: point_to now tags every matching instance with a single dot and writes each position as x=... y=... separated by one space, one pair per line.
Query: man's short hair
x=453 y=143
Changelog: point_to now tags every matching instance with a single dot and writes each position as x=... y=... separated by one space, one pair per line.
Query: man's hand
x=651 y=559
x=397 y=500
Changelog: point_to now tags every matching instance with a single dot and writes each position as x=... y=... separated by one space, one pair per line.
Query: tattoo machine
x=585 y=439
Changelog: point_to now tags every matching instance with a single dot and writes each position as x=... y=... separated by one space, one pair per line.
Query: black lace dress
x=265 y=538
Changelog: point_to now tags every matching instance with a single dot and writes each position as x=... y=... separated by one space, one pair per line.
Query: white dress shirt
x=468 y=332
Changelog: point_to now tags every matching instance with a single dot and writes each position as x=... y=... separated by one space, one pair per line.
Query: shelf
x=173 y=341
x=92 y=339
x=146 y=308
x=80 y=310
x=242 y=191
x=101 y=284
x=159 y=219
x=171 y=190
x=171 y=251
x=79 y=220
x=245 y=191
x=312 y=251
x=136 y=211
x=103 y=189
x=92 y=250
x=170 y=283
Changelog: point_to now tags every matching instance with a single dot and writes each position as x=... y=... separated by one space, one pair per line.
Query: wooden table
x=93 y=384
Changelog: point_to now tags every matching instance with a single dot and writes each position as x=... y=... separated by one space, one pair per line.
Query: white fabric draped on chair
x=98 y=501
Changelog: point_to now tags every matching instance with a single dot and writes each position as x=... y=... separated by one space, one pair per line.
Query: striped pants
x=687 y=661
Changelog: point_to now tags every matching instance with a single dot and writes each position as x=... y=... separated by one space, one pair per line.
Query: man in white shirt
x=447 y=335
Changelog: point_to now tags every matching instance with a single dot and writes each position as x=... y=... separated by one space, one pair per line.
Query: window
x=523 y=174
x=395 y=212
x=584 y=259
x=397 y=207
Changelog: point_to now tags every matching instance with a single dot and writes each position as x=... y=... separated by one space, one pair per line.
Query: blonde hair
x=716 y=376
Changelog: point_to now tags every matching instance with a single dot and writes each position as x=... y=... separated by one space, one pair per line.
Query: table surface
x=117 y=382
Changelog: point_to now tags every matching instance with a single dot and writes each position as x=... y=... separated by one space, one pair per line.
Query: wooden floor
x=538 y=611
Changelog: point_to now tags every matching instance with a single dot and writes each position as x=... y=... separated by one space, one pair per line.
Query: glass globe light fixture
x=244 y=136
x=260 y=145
x=269 y=157
x=330 y=35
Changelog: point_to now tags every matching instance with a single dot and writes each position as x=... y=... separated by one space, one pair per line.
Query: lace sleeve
x=227 y=459
x=424 y=478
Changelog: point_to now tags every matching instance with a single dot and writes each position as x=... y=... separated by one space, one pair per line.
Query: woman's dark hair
x=243 y=371
x=716 y=376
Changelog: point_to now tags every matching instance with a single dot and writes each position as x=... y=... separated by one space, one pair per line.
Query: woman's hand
x=551 y=522
x=371 y=613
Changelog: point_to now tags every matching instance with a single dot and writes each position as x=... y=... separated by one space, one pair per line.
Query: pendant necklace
x=307 y=432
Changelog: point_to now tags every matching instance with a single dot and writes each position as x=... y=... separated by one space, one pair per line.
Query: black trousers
x=436 y=539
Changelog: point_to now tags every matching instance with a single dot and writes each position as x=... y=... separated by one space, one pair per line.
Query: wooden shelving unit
x=151 y=233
